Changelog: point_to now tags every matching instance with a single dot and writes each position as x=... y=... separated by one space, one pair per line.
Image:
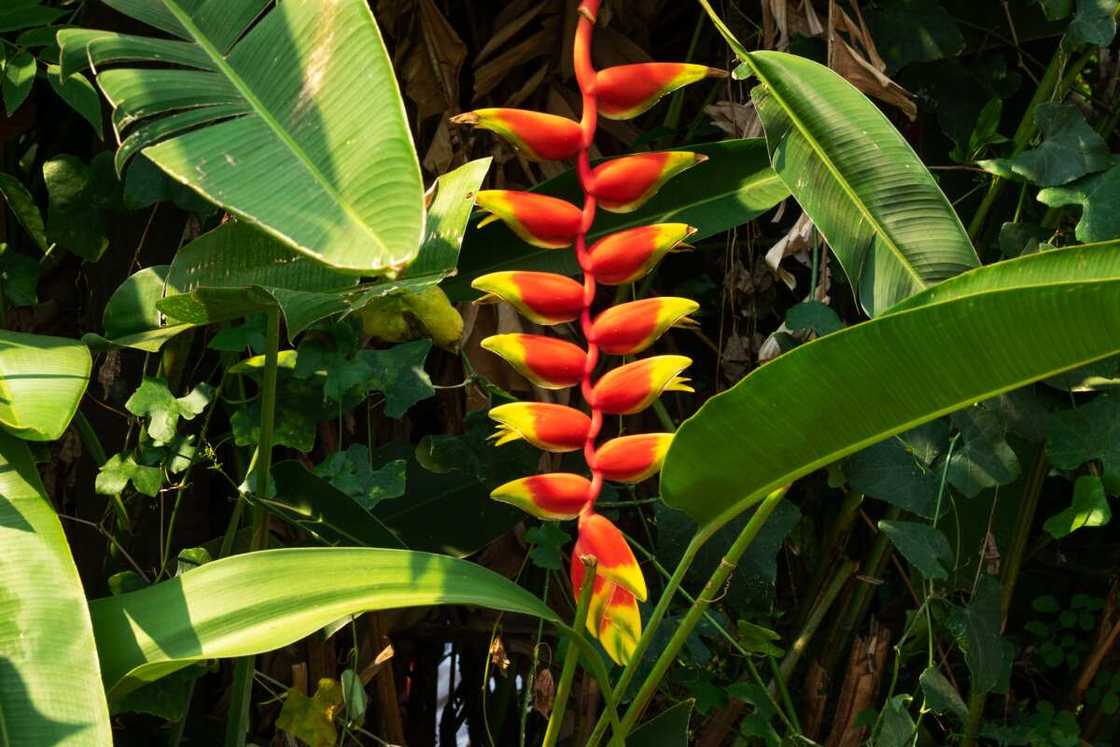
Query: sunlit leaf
x=260 y=601
x=986 y=332
x=50 y=689
x=1089 y=509
x=248 y=98
x=42 y=380
x=865 y=189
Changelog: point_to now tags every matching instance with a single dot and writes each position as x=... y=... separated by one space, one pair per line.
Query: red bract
x=613 y=616
x=617 y=564
x=628 y=255
x=547 y=362
x=632 y=327
x=622 y=185
x=539 y=136
x=540 y=297
x=555 y=496
x=540 y=220
x=631 y=459
x=625 y=91
x=546 y=426
x=632 y=388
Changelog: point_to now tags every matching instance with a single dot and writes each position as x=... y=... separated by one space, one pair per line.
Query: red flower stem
x=585 y=78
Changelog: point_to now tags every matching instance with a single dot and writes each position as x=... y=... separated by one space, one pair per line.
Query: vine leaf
x=1089 y=509
x=163 y=409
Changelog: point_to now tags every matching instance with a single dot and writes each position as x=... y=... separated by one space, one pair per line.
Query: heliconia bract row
x=622 y=185
x=618 y=185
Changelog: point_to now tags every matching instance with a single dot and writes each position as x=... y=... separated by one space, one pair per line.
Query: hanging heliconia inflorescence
x=619 y=185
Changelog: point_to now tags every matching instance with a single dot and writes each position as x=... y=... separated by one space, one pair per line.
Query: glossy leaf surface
x=50 y=689
x=275 y=106
x=986 y=332
x=260 y=601
x=874 y=201
x=42 y=380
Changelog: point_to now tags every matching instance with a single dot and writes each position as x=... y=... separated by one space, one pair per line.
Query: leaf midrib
x=266 y=116
x=729 y=513
x=877 y=226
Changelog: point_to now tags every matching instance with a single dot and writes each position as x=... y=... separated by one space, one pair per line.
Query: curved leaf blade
x=50 y=682
x=260 y=601
x=42 y=380
x=880 y=209
x=986 y=332
x=331 y=174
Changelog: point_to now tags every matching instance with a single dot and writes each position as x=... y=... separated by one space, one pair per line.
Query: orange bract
x=632 y=388
x=539 y=136
x=547 y=362
x=622 y=185
x=540 y=220
x=628 y=255
x=631 y=459
x=632 y=327
x=546 y=426
x=540 y=297
x=625 y=91
x=554 y=496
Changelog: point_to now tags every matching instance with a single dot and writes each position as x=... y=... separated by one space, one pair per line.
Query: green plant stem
x=1024 y=520
x=976 y=700
x=780 y=684
x=663 y=416
x=702 y=536
x=242 y=690
x=571 y=658
x=186 y=475
x=96 y=451
x=527 y=700
x=710 y=619
x=1013 y=563
x=710 y=592
x=860 y=600
x=831 y=545
x=816 y=617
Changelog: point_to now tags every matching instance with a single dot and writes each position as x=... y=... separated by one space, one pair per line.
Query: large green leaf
x=42 y=380
x=735 y=185
x=986 y=332
x=50 y=688
x=862 y=184
x=291 y=119
x=260 y=601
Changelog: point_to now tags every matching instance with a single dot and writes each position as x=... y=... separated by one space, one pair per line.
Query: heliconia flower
x=613 y=616
x=544 y=425
x=546 y=361
x=632 y=327
x=540 y=297
x=631 y=459
x=622 y=185
x=547 y=222
x=601 y=538
x=555 y=496
x=625 y=91
x=539 y=136
x=629 y=389
x=626 y=256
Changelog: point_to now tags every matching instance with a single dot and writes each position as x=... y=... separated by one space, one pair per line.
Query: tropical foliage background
x=244 y=468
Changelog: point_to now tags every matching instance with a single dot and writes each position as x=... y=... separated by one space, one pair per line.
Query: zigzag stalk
x=619 y=185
